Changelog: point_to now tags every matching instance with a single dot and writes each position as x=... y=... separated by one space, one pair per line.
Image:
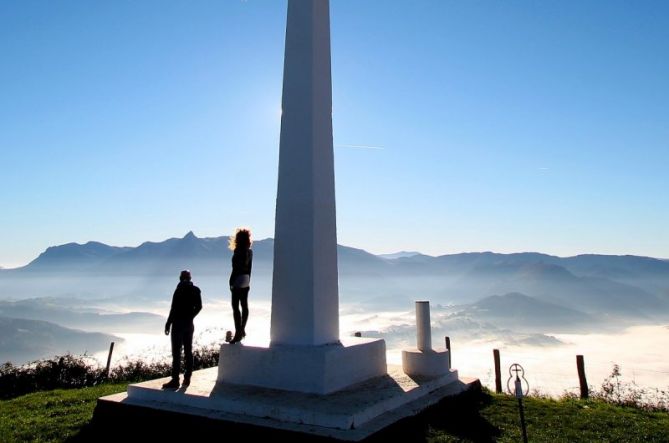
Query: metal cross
x=520 y=372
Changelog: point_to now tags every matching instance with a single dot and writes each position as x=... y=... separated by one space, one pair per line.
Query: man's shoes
x=186 y=382
x=172 y=384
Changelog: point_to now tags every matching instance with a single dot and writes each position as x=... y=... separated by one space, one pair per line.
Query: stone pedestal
x=309 y=369
x=431 y=363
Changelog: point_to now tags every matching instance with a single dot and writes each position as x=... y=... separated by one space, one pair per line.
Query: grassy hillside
x=61 y=415
x=52 y=415
x=496 y=419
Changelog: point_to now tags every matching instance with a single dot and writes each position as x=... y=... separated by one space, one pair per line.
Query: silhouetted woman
x=240 y=279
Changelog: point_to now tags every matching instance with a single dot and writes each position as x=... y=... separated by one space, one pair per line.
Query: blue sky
x=502 y=125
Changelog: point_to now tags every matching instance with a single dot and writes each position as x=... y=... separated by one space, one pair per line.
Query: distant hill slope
x=521 y=312
x=400 y=254
x=52 y=310
x=24 y=340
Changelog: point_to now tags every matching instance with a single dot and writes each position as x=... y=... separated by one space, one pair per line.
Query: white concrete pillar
x=305 y=353
x=305 y=294
x=423 y=328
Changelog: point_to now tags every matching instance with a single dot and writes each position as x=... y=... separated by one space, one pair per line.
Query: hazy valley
x=522 y=300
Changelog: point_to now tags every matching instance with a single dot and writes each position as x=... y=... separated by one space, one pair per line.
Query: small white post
x=425 y=361
x=424 y=332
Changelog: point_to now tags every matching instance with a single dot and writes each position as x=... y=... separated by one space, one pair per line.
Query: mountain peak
x=189 y=236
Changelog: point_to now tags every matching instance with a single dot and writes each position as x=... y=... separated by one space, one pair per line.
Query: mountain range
x=600 y=285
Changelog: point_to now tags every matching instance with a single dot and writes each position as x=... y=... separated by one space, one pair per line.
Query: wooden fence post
x=111 y=349
x=580 y=366
x=448 y=348
x=498 y=372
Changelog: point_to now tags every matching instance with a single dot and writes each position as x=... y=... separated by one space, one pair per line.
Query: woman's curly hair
x=241 y=239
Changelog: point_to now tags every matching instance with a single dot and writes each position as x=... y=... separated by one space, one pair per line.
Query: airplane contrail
x=360 y=147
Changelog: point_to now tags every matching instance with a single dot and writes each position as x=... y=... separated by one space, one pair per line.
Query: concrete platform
x=321 y=369
x=352 y=414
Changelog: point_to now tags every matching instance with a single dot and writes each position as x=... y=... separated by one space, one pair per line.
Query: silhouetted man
x=186 y=304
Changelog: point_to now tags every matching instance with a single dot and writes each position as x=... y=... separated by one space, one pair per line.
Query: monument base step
x=318 y=370
x=352 y=414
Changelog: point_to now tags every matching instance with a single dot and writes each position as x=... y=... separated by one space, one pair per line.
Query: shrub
x=628 y=393
x=72 y=371
x=67 y=371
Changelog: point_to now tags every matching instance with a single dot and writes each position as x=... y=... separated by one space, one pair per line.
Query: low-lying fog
x=550 y=367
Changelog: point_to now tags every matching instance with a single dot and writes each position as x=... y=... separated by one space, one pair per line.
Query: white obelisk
x=305 y=353
x=305 y=296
